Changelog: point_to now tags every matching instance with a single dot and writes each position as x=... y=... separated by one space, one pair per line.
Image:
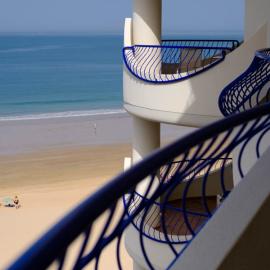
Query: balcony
x=251 y=89
x=175 y=60
x=179 y=81
x=183 y=217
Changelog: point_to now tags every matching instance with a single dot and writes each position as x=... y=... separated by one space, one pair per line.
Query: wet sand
x=52 y=165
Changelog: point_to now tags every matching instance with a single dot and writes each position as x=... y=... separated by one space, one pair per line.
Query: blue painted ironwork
x=101 y=220
x=250 y=89
x=152 y=228
x=175 y=60
x=223 y=43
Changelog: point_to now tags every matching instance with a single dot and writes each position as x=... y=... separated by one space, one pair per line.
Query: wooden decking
x=174 y=218
x=168 y=68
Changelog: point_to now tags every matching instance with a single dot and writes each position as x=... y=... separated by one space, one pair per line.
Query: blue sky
x=108 y=15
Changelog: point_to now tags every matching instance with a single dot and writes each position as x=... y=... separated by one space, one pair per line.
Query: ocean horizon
x=51 y=76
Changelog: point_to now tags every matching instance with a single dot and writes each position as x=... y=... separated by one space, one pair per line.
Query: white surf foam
x=62 y=115
x=30 y=49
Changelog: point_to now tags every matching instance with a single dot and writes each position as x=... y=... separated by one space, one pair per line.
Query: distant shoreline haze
x=194 y=34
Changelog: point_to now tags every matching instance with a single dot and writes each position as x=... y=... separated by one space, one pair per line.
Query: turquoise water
x=59 y=74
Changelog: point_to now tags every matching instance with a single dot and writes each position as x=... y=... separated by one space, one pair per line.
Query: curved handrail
x=250 y=89
x=227 y=43
x=177 y=230
x=208 y=145
x=175 y=60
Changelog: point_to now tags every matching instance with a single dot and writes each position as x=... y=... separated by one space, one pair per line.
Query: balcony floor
x=175 y=222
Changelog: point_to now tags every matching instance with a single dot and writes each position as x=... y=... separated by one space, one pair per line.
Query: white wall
x=159 y=254
x=257 y=13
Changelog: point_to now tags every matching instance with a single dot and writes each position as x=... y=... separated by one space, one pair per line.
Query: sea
x=49 y=76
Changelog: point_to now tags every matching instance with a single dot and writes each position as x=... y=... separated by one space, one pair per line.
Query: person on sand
x=95 y=128
x=8 y=202
x=16 y=202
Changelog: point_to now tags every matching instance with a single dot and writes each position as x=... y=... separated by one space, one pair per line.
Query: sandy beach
x=53 y=164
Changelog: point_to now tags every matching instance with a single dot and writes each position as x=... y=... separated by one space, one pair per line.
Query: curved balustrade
x=250 y=89
x=174 y=165
x=177 y=230
x=223 y=43
x=175 y=60
x=83 y=236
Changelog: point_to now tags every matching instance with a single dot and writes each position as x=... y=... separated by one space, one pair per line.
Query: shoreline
x=65 y=114
x=35 y=135
x=62 y=149
x=53 y=164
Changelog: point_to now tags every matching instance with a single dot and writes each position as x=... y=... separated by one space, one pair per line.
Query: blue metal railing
x=250 y=89
x=101 y=219
x=175 y=60
x=223 y=43
x=179 y=233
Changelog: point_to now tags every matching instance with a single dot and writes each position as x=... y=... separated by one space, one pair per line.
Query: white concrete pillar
x=146 y=138
x=257 y=13
x=147 y=17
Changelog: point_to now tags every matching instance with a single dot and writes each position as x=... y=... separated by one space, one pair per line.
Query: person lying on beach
x=16 y=202
x=8 y=202
x=95 y=128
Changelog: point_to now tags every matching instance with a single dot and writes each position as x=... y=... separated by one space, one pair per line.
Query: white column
x=147 y=21
x=146 y=138
x=257 y=13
